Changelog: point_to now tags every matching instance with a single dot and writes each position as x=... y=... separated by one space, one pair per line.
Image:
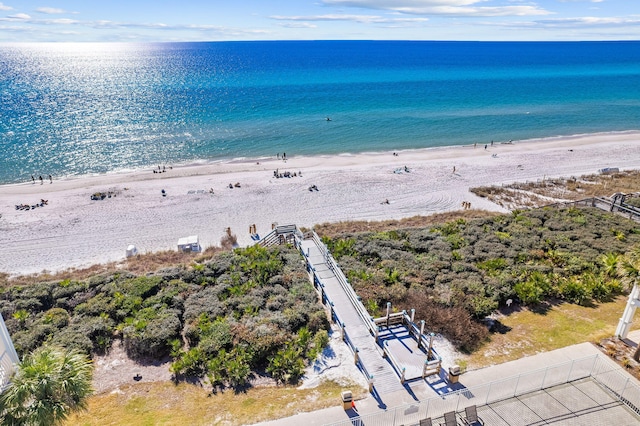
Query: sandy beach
x=72 y=230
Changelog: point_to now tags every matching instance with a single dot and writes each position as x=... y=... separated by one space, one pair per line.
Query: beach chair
x=426 y=422
x=450 y=419
x=471 y=417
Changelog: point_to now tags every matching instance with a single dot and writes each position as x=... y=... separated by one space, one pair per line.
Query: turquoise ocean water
x=73 y=109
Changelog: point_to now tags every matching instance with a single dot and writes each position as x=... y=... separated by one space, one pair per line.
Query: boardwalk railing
x=281 y=235
x=602 y=203
x=292 y=235
x=601 y=371
x=344 y=283
x=319 y=286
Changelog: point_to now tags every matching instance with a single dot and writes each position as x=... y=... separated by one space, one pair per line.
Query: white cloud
x=297 y=25
x=367 y=19
x=4 y=7
x=391 y=4
x=19 y=17
x=62 y=21
x=50 y=10
x=589 y=21
x=441 y=7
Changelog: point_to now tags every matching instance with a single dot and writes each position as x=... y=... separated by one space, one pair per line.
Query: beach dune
x=72 y=230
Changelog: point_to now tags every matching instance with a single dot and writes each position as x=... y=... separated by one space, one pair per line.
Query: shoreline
x=208 y=163
x=74 y=231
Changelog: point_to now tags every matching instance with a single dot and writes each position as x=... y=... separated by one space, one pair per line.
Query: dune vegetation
x=457 y=273
x=226 y=315
x=243 y=310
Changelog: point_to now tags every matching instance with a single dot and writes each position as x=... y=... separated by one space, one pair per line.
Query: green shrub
x=287 y=365
x=27 y=340
x=190 y=363
x=58 y=317
x=101 y=303
x=88 y=334
x=150 y=332
x=573 y=290
x=320 y=341
x=529 y=292
x=493 y=266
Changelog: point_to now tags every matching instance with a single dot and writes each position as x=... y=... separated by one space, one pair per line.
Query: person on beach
x=485 y=146
x=50 y=179
x=454 y=169
x=41 y=180
x=33 y=179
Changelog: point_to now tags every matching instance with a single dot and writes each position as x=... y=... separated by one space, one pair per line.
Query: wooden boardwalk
x=385 y=379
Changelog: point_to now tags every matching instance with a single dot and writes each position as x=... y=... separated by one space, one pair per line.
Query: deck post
x=431 y=336
x=388 y=312
x=413 y=314
x=421 y=333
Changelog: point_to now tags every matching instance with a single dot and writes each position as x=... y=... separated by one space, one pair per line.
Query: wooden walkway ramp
x=357 y=329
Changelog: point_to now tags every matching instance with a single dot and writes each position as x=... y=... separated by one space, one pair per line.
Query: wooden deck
x=385 y=380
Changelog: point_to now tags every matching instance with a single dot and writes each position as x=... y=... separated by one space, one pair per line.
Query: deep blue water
x=71 y=109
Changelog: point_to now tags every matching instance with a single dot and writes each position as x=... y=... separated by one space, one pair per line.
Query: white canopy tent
x=131 y=250
x=188 y=244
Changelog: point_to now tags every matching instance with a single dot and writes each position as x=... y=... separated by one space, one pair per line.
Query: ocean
x=75 y=109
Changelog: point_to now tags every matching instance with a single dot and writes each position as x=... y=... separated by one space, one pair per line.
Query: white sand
x=73 y=231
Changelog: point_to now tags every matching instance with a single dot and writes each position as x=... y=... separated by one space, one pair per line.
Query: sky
x=222 y=20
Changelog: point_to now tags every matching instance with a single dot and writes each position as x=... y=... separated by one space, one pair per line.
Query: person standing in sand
x=50 y=179
x=41 y=180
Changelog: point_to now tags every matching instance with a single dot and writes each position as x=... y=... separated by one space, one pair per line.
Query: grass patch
x=562 y=325
x=164 y=403
x=339 y=228
x=543 y=192
x=140 y=264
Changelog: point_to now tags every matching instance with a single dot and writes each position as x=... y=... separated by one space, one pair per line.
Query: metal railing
x=603 y=204
x=619 y=384
x=319 y=285
x=346 y=287
x=281 y=234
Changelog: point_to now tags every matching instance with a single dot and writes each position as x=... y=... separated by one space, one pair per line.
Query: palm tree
x=50 y=383
x=610 y=263
x=629 y=267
